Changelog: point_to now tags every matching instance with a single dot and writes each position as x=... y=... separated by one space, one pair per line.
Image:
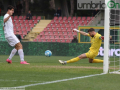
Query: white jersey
x=8 y=27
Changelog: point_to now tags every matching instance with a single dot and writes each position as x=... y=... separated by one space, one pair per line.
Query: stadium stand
x=24 y=26
x=60 y=29
x=56 y=30
x=37 y=30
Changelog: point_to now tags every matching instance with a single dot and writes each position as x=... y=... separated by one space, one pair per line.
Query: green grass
x=44 y=69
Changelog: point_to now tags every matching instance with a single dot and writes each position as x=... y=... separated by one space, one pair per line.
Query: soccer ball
x=48 y=53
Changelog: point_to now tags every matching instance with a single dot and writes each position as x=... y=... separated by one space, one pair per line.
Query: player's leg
x=91 y=55
x=13 y=52
x=95 y=61
x=19 y=47
x=82 y=56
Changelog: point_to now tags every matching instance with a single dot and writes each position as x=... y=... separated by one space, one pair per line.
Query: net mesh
x=114 y=52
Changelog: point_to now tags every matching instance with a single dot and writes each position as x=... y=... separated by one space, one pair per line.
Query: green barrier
x=1 y=28
x=38 y=48
x=1 y=17
x=58 y=49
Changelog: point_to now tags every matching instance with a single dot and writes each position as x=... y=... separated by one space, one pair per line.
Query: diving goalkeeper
x=96 y=40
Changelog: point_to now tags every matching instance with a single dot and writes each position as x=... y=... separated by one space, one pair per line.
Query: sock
x=21 y=54
x=73 y=60
x=97 y=61
x=12 y=53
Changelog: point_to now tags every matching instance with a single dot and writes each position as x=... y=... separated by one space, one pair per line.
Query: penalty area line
x=62 y=80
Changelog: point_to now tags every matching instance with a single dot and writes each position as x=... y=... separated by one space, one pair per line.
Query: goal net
x=112 y=46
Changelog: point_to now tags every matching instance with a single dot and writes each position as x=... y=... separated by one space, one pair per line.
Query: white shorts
x=12 y=40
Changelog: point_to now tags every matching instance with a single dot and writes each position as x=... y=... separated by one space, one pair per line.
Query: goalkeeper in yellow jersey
x=96 y=40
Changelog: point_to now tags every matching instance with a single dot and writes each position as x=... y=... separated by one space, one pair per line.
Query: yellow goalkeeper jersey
x=95 y=43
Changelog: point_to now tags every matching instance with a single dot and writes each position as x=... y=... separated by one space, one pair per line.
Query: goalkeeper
x=96 y=40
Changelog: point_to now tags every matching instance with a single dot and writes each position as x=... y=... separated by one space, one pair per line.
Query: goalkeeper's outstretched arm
x=81 y=32
x=102 y=37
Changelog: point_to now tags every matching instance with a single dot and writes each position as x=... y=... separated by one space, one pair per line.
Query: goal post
x=106 y=38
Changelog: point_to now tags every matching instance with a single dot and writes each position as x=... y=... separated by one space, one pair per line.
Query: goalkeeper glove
x=75 y=30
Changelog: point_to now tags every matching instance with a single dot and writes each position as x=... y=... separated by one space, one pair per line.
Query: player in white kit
x=10 y=36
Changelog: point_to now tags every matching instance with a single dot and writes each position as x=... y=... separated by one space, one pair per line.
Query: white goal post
x=112 y=47
x=106 y=38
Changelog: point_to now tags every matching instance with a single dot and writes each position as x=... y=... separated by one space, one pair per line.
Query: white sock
x=12 y=53
x=21 y=54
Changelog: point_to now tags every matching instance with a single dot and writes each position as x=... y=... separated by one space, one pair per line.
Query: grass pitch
x=46 y=69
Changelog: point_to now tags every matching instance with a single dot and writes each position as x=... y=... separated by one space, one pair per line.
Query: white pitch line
x=56 y=81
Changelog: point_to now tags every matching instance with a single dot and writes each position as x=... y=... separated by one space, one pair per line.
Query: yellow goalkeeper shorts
x=91 y=54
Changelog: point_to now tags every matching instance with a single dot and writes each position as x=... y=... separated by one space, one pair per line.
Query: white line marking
x=56 y=81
